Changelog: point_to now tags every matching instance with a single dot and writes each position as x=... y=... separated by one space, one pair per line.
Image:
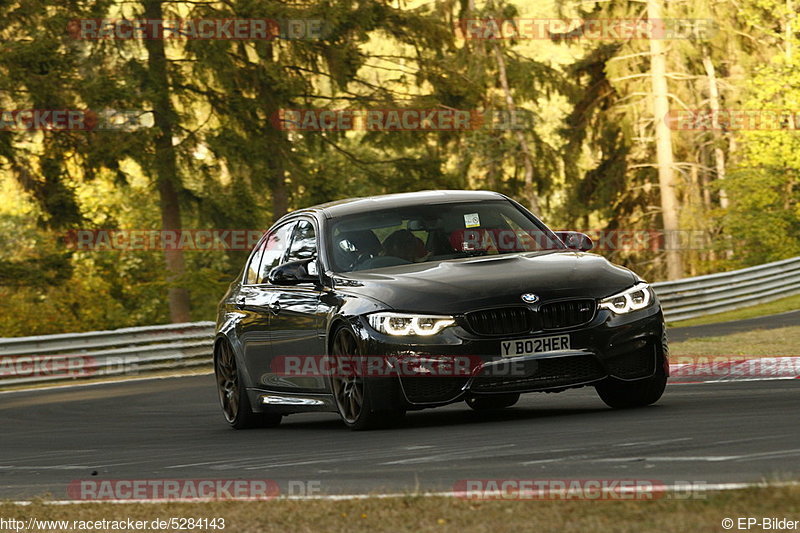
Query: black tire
x=233 y=398
x=494 y=401
x=362 y=402
x=629 y=394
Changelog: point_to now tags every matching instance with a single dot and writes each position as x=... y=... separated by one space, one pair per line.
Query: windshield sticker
x=472 y=220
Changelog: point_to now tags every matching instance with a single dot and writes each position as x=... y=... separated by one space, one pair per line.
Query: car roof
x=366 y=204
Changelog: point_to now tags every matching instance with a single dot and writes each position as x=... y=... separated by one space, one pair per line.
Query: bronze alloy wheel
x=233 y=395
x=227 y=382
x=347 y=390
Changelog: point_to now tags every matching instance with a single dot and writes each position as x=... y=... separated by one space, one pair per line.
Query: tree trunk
x=713 y=103
x=280 y=196
x=666 y=175
x=166 y=169
x=706 y=188
x=276 y=139
x=695 y=196
x=788 y=31
x=531 y=196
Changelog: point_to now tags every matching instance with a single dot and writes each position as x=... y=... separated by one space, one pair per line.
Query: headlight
x=406 y=324
x=633 y=299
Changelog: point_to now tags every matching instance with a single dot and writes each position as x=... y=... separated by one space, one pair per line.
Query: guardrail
x=726 y=291
x=141 y=350
x=127 y=351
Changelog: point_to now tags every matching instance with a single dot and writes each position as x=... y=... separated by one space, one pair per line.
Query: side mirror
x=575 y=240
x=295 y=272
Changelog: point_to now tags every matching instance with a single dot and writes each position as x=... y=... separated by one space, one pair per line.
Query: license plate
x=534 y=345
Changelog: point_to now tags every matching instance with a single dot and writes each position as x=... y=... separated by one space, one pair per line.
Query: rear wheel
x=358 y=398
x=494 y=401
x=232 y=394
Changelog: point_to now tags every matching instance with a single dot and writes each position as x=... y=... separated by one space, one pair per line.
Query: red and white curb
x=713 y=369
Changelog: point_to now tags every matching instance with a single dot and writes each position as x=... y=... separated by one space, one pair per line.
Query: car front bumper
x=622 y=347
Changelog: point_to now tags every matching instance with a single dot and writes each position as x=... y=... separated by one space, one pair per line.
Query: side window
x=304 y=242
x=275 y=247
x=255 y=262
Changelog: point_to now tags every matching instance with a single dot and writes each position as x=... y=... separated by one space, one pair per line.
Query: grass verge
x=751 y=344
x=415 y=514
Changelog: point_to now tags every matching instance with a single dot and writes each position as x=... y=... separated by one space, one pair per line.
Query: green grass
x=750 y=344
x=414 y=514
x=790 y=303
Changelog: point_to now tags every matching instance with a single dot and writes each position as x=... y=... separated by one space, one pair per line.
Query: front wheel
x=362 y=402
x=628 y=394
x=233 y=395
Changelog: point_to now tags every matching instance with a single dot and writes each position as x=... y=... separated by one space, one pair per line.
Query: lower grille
x=567 y=313
x=501 y=321
x=638 y=364
x=552 y=372
x=432 y=389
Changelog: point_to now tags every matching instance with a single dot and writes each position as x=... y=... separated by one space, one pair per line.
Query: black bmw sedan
x=371 y=307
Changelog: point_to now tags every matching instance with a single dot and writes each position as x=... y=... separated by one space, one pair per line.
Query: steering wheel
x=361 y=259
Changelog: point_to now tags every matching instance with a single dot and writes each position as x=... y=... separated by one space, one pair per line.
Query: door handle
x=239 y=302
x=275 y=306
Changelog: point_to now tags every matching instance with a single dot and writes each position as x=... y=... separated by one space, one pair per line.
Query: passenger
x=405 y=245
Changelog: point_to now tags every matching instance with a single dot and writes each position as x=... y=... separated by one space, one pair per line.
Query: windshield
x=418 y=234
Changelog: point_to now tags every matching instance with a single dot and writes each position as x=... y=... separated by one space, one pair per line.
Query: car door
x=255 y=299
x=296 y=321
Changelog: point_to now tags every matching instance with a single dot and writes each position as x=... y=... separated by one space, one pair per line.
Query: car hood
x=457 y=286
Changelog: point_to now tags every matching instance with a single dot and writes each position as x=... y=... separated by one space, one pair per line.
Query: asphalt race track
x=172 y=428
x=781 y=320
